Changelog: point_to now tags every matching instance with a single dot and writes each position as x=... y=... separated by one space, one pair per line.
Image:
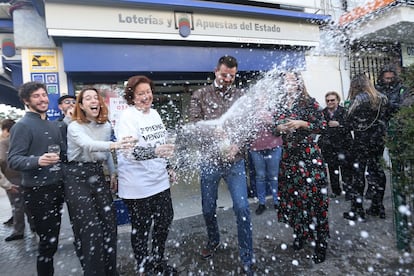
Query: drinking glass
x=54 y=148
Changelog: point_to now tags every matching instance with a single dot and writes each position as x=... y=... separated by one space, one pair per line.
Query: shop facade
x=177 y=45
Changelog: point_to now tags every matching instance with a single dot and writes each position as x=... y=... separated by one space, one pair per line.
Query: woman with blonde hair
x=366 y=117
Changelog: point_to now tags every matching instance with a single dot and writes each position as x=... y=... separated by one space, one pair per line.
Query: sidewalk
x=353 y=249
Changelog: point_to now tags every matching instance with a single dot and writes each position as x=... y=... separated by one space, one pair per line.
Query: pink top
x=266 y=140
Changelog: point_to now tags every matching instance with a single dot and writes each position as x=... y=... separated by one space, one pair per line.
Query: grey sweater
x=29 y=139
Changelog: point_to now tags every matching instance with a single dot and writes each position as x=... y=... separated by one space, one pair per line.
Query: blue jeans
x=266 y=164
x=235 y=177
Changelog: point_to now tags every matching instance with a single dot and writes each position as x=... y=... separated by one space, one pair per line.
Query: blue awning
x=96 y=57
x=6 y=25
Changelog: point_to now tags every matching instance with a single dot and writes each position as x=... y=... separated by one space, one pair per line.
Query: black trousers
x=338 y=159
x=45 y=204
x=369 y=158
x=93 y=217
x=155 y=209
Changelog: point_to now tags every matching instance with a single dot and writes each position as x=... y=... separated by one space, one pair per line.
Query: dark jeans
x=93 y=217
x=45 y=205
x=234 y=175
x=155 y=209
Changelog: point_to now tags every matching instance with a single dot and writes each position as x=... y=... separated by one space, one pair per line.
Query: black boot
x=356 y=212
x=320 y=252
x=376 y=211
x=298 y=243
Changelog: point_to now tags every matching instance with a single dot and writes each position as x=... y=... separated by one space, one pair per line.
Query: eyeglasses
x=330 y=100
x=69 y=102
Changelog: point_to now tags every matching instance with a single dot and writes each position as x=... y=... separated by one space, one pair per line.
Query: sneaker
x=9 y=222
x=14 y=237
x=209 y=250
x=260 y=209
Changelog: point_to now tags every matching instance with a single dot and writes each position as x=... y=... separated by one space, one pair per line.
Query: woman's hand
x=296 y=124
x=125 y=143
x=114 y=183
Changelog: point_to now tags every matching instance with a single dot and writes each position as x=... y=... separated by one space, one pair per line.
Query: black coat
x=335 y=139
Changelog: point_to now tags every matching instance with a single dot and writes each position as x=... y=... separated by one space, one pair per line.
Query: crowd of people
x=295 y=152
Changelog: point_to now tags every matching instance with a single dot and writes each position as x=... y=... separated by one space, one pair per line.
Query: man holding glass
x=42 y=186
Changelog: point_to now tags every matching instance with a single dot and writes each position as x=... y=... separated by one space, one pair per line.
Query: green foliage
x=400 y=142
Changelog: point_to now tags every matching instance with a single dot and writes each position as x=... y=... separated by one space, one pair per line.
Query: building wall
x=326 y=73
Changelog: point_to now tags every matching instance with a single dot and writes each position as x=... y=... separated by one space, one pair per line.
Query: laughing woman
x=87 y=194
x=143 y=178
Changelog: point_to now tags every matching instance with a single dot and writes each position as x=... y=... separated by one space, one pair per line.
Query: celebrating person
x=366 y=116
x=87 y=193
x=143 y=178
x=209 y=103
x=335 y=142
x=302 y=179
x=42 y=186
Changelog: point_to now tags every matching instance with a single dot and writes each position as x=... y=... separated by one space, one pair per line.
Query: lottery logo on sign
x=184 y=23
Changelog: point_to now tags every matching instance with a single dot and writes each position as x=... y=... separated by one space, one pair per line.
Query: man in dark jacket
x=42 y=186
x=390 y=84
x=334 y=143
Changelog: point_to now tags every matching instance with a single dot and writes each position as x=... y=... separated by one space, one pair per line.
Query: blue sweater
x=29 y=139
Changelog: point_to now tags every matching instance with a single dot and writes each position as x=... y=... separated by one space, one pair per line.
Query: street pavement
x=354 y=248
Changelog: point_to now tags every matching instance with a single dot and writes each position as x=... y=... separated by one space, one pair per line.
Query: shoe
x=165 y=269
x=248 y=270
x=373 y=211
x=9 y=222
x=376 y=211
x=382 y=212
x=14 y=237
x=260 y=209
x=354 y=215
x=297 y=243
x=320 y=252
x=209 y=251
x=333 y=195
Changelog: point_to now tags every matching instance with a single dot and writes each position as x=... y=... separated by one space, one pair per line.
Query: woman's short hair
x=132 y=83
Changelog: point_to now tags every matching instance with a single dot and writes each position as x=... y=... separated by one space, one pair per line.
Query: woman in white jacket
x=143 y=181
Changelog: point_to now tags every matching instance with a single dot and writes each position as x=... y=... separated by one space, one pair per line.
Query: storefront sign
x=44 y=69
x=172 y=25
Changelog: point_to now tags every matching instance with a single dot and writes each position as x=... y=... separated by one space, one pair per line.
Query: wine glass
x=54 y=148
